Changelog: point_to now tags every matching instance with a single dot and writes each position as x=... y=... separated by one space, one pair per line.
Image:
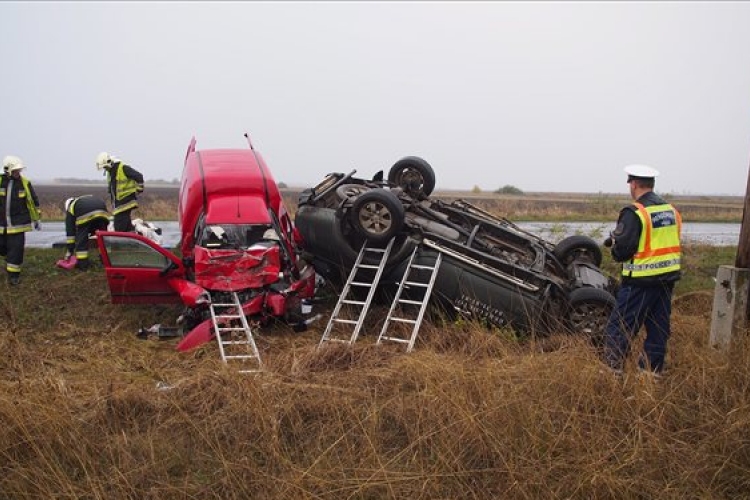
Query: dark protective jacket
x=124 y=183
x=19 y=204
x=626 y=238
x=81 y=211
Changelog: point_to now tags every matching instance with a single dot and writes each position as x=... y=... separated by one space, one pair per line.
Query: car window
x=232 y=235
x=129 y=252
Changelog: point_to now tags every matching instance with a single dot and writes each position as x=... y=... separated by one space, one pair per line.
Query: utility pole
x=743 y=246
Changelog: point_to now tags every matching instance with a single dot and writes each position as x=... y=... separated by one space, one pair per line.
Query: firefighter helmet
x=68 y=202
x=103 y=160
x=12 y=163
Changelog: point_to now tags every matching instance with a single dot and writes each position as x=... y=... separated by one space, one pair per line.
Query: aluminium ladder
x=361 y=276
x=228 y=319
x=421 y=280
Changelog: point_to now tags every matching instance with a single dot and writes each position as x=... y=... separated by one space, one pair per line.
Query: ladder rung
x=414 y=283
x=375 y=250
x=232 y=329
x=359 y=283
x=394 y=339
x=404 y=320
x=224 y=305
x=228 y=316
x=347 y=321
x=240 y=356
x=367 y=266
x=353 y=302
x=407 y=301
x=235 y=342
x=338 y=340
x=419 y=266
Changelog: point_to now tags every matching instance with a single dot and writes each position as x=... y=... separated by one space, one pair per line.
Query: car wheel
x=378 y=215
x=346 y=191
x=589 y=312
x=414 y=175
x=578 y=247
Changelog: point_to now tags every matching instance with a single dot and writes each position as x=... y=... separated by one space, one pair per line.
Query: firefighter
x=84 y=216
x=124 y=183
x=647 y=242
x=19 y=212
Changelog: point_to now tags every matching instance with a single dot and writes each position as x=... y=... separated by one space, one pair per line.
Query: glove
x=37 y=225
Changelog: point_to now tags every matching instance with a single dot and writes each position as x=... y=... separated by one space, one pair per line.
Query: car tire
x=578 y=247
x=377 y=215
x=414 y=175
x=589 y=311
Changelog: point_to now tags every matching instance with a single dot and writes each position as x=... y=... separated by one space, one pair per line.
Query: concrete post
x=730 y=305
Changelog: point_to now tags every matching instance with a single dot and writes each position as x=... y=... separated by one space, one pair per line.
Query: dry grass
x=90 y=411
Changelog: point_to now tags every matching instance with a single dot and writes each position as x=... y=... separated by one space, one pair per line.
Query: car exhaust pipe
x=433 y=227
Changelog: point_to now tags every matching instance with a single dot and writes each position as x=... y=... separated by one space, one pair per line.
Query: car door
x=138 y=270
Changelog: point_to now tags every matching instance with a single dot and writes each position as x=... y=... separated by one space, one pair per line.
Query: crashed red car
x=236 y=236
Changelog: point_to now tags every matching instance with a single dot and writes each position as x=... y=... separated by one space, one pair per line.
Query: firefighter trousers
x=123 y=223
x=12 y=247
x=83 y=232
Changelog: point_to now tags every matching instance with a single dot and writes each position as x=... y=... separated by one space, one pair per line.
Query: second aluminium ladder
x=420 y=278
x=362 y=276
x=239 y=346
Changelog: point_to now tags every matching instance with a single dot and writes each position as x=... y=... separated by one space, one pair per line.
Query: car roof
x=234 y=171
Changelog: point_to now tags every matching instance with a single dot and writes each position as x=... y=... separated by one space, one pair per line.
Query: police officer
x=647 y=242
x=84 y=216
x=19 y=211
x=124 y=183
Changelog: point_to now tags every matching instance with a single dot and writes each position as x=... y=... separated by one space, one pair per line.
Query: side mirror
x=165 y=270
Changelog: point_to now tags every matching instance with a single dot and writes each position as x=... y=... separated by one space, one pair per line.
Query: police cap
x=640 y=172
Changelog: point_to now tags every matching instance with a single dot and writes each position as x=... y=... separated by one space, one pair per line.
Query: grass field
x=160 y=203
x=90 y=411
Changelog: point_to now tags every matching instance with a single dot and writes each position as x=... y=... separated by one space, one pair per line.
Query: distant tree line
x=508 y=189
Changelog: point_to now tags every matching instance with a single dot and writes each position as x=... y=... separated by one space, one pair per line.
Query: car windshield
x=232 y=235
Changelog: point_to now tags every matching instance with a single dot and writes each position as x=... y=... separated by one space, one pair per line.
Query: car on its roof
x=491 y=270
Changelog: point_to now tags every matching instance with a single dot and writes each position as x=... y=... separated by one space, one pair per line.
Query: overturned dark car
x=491 y=269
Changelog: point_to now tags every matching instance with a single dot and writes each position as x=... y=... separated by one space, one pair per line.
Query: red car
x=236 y=238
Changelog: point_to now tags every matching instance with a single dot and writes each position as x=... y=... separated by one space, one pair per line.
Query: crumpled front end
x=232 y=270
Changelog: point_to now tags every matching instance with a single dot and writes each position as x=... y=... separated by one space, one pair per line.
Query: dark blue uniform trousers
x=637 y=306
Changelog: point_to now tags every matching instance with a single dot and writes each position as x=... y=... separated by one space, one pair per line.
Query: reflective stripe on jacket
x=659 y=249
x=86 y=208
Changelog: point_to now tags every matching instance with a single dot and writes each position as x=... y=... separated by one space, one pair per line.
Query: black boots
x=14 y=278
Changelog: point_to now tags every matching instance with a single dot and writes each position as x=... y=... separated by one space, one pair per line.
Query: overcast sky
x=544 y=96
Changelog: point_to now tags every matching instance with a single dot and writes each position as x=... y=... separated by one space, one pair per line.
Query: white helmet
x=103 y=160
x=68 y=202
x=11 y=163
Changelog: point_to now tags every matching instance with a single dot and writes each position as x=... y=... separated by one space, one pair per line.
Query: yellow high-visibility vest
x=659 y=249
x=124 y=186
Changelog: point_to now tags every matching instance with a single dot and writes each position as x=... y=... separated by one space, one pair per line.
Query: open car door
x=140 y=271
